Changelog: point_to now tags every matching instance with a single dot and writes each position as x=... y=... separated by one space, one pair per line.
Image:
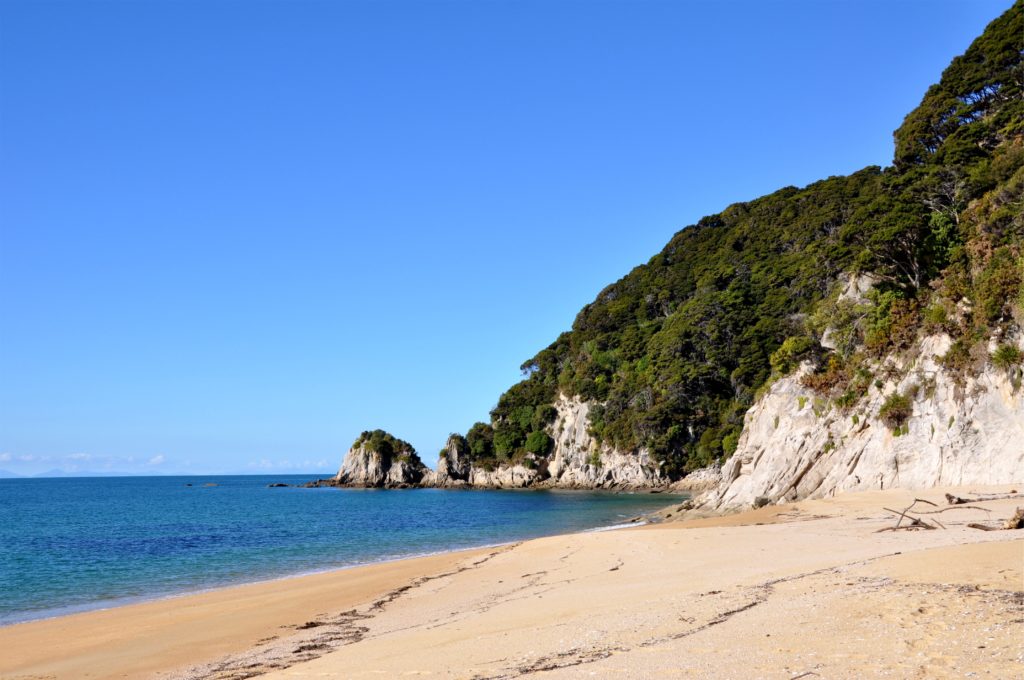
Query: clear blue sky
x=235 y=234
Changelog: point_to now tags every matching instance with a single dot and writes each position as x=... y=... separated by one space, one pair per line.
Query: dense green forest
x=674 y=353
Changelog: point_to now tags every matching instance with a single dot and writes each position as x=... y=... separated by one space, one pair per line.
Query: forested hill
x=674 y=353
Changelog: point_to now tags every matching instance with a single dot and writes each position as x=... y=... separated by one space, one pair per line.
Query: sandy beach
x=811 y=589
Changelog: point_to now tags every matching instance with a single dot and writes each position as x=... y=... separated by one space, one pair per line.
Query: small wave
x=614 y=527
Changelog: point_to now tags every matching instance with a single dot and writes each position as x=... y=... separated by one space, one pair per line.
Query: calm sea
x=75 y=544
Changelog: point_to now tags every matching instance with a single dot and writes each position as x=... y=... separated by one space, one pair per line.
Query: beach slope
x=812 y=589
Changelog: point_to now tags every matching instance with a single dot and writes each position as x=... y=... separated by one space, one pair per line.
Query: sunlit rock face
x=963 y=429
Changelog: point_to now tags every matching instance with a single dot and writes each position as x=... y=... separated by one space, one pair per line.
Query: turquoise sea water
x=75 y=544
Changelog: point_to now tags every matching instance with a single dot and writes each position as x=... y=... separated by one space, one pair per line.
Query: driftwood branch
x=982 y=497
x=1015 y=522
x=954 y=507
x=914 y=522
x=955 y=503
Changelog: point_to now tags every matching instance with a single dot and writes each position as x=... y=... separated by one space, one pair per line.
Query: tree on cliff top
x=386 y=445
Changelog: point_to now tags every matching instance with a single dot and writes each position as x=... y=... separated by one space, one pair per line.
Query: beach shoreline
x=154 y=636
x=103 y=543
x=638 y=598
x=116 y=603
x=119 y=603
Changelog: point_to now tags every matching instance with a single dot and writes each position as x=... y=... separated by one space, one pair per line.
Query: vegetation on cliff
x=387 y=446
x=674 y=353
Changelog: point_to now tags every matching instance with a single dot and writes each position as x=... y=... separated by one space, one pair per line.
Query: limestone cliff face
x=453 y=466
x=575 y=462
x=456 y=471
x=962 y=430
x=578 y=461
x=364 y=467
x=504 y=477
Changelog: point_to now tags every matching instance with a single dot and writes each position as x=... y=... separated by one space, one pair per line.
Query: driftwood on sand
x=912 y=522
x=955 y=503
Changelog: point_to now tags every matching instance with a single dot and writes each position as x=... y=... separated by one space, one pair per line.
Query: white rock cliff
x=365 y=468
x=795 y=446
x=575 y=462
x=578 y=461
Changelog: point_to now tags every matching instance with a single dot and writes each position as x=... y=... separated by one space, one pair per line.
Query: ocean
x=70 y=545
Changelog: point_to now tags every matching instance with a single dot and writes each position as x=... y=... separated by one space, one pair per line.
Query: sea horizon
x=7 y=475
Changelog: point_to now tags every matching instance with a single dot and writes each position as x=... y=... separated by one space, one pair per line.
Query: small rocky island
x=379 y=460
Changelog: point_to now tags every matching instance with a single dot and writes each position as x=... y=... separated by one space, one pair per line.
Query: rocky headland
x=859 y=333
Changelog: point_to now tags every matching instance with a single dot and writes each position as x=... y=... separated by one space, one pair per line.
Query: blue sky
x=235 y=234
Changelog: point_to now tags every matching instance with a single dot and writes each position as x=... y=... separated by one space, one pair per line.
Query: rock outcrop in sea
x=379 y=460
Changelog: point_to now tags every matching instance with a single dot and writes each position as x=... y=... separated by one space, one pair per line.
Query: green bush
x=538 y=442
x=730 y=442
x=958 y=357
x=847 y=399
x=1007 y=357
x=935 y=316
x=481 y=441
x=998 y=286
x=896 y=410
x=386 y=445
x=790 y=353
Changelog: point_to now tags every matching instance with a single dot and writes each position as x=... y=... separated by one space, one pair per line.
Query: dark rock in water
x=188 y=484
x=276 y=485
x=317 y=483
